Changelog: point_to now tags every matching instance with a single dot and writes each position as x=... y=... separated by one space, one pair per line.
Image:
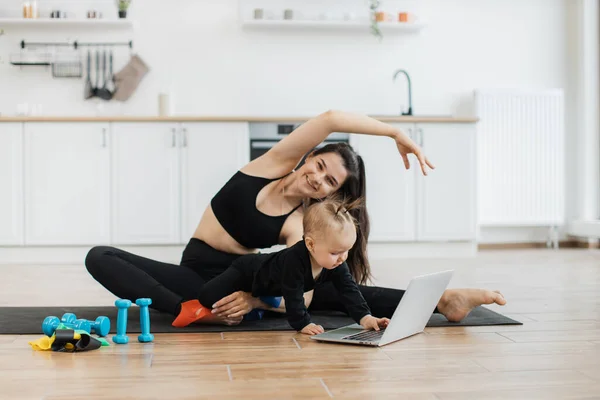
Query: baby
x=329 y=233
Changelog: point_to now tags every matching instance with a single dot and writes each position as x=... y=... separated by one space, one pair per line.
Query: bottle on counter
x=26 y=9
x=31 y=9
x=165 y=107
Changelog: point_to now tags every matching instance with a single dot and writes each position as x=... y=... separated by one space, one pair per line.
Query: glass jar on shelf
x=35 y=11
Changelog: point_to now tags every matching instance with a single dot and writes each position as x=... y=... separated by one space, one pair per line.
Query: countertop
x=208 y=118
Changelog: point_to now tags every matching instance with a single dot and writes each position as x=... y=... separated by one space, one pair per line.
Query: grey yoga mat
x=28 y=320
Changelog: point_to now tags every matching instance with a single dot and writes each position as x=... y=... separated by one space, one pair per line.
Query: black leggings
x=230 y=281
x=129 y=276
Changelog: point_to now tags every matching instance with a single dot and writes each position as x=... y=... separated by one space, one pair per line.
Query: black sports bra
x=235 y=208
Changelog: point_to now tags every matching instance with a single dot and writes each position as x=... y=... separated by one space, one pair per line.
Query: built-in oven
x=265 y=135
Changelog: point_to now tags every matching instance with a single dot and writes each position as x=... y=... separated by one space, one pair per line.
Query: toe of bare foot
x=498 y=298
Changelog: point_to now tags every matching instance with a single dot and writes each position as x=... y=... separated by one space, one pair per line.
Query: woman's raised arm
x=293 y=147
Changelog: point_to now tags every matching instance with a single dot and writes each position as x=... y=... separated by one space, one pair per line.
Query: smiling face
x=322 y=175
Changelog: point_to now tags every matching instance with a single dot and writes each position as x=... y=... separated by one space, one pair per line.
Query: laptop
x=411 y=315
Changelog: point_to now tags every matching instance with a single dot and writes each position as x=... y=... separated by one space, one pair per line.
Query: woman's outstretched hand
x=407 y=146
x=235 y=305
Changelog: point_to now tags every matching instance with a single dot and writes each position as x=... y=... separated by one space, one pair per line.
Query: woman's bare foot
x=456 y=304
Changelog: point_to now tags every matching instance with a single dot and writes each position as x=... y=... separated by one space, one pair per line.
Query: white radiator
x=520 y=147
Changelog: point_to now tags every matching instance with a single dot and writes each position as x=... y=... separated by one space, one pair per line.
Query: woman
x=260 y=206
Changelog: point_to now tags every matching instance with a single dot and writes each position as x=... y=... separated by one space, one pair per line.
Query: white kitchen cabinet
x=145 y=183
x=211 y=154
x=407 y=206
x=130 y=183
x=11 y=182
x=446 y=196
x=390 y=188
x=67 y=189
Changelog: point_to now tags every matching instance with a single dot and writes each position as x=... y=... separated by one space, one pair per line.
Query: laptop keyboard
x=367 y=336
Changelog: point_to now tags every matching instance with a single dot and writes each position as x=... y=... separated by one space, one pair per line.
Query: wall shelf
x=334 y=25
x=66 y=22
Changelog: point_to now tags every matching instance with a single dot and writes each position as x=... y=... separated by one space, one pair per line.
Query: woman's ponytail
x=358 y=261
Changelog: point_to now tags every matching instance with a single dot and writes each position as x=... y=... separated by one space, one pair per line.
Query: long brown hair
x=354 y=188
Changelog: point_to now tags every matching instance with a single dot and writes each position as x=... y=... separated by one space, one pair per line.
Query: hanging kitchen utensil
x=97 y=80
x=88 y=91
x=111 y=83
x=103 y=92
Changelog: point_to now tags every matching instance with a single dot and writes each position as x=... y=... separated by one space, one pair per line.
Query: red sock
x=191 y=311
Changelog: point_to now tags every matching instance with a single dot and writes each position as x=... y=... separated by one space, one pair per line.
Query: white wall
x=215 y=67
x=588 y=85
x=197 y=48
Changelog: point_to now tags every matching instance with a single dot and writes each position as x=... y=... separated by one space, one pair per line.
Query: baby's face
x=331 y=248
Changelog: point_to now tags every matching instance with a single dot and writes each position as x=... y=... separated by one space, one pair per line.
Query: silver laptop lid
x=418 y=303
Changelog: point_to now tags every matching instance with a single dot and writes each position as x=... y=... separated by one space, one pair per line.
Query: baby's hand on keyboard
x=312 y=329
x=370 y=322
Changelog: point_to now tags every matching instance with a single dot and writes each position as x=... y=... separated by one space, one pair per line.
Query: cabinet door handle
x=103 y=137
x=173 y=138
x=410 y=133
x=421 y=138
x=184 y=137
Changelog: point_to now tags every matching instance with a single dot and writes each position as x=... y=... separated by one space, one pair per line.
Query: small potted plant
x=375 y=17
x=123 y=6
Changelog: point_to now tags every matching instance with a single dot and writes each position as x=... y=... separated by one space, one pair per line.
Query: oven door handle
x=263 y=145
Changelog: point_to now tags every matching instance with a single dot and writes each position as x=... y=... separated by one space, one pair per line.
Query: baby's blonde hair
x=330 y=213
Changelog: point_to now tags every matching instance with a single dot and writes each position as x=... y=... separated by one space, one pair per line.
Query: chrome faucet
x=409 y=112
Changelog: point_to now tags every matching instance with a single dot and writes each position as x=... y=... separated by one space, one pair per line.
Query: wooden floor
x=554 y=355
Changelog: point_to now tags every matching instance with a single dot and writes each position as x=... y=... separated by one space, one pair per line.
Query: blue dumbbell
x=145 y=336
x=121 y=337
x=68 y=318
x=50 y=323
x=101 y=326
x=82 y=325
